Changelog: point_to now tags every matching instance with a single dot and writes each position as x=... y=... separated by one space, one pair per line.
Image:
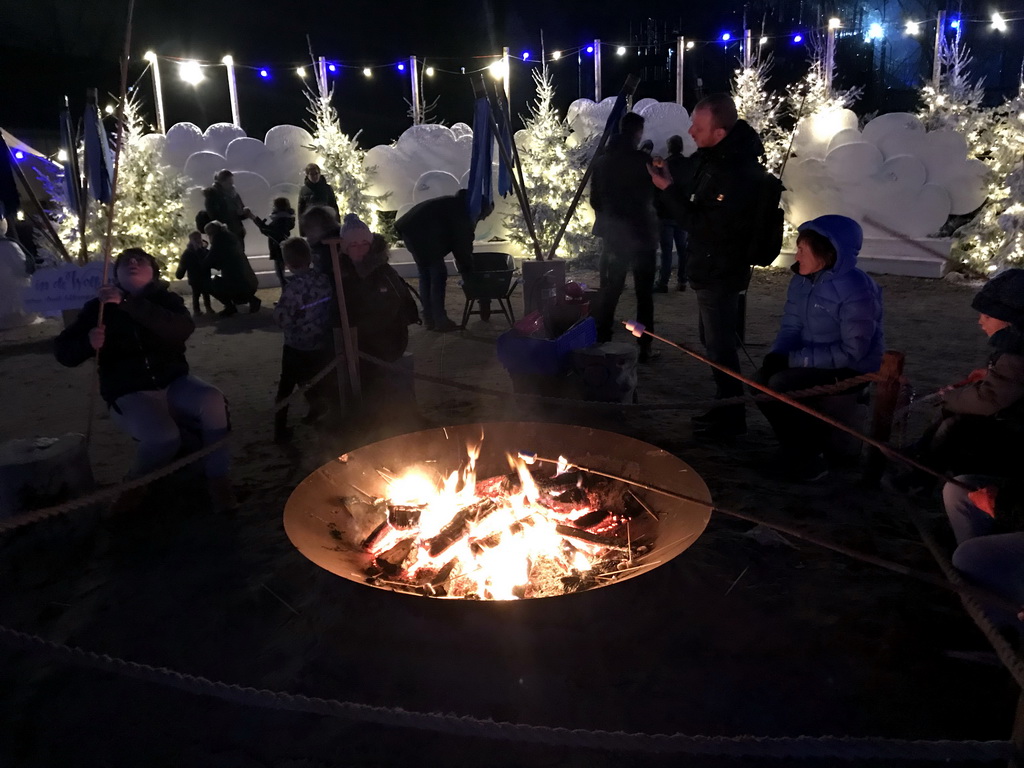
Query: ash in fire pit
x=456 y=513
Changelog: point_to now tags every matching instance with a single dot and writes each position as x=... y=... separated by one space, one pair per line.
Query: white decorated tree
x=150 y=209
x=994 y=238
x=761 y=109
x=552 y=171
x=955 y=102
x=342 y=162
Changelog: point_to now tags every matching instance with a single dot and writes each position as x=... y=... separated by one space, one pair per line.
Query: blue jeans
x=154 y=418
x=994 y=561
x=719 y=332
x=672 y=233
x=433 y=279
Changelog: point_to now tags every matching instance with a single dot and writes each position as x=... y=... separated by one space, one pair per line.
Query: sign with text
x=68 y=286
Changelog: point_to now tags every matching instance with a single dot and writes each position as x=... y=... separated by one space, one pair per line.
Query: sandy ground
x=739 y=635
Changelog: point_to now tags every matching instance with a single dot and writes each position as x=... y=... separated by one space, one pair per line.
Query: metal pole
x=416 y=104
x=158 y=89
x=940 y=31
x=229 y=63
x=597 y=70
x=680 y=47
x=746 y=49
x=830 y=55
x=506 y=74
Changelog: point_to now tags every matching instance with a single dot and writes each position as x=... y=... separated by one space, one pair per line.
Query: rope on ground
x=1010 y=659
x=797 y=747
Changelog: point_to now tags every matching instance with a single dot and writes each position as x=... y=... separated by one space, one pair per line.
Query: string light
x=264 y=74
x=556 y=55
x=191 y=72
x=590 y=49
x=621 y=50
x=834 y=23
x=912 y=28
x=726 y=37
x=429 y=71
x=109 y=109
x=301 y=72
x=998 y=22
x=762 y=41
x=401 y=67
x=526 y=55
x=332 y=68
x=149 y=56
x=689 y=46
x=954 y=24
x=367 y=72
x=798 y=38
x=875 y=32
x=19 y=155
x=62 y=156
x=496 y=69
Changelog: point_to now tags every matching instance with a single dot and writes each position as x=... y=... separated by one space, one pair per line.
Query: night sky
x=53 y=48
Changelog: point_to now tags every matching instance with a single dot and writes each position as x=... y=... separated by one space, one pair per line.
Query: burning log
x=592 y=538
x=376 y=535
x=458 y=526
x=396 y=559
x=402 y=517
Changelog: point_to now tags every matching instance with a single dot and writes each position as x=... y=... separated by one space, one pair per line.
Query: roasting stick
x=978 y=593
x=638 y=330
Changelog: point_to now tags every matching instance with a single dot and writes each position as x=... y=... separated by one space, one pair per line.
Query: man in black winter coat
x=431 y=230
x=715 y=210
x=315 y=191
x=623 y=201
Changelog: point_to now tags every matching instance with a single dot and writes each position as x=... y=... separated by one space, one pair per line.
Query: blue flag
x=98 y=162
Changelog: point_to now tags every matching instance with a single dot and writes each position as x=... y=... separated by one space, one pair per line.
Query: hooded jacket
x=144 y=345
x=225 y=205
x=236 y=274
x=321 y=193
x=622 y=197
x=378 y=303
x=715 y=207
x=833 y=318
x=1001 y=392
x=436 y=227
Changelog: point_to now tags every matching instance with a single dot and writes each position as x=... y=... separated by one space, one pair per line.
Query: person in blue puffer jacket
x=831 y=330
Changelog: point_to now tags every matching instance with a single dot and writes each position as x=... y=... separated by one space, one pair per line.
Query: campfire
x=494 y=512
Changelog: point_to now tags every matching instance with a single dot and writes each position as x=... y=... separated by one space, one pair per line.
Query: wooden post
x=887 y=392
x=348 y=339
x=1017 y=737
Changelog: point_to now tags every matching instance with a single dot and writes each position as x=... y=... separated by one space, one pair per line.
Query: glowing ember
x=531 y=533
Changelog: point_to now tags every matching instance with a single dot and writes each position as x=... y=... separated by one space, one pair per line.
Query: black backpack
x=767 y=220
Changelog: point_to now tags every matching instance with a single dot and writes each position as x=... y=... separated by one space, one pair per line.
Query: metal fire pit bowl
x=323 y=529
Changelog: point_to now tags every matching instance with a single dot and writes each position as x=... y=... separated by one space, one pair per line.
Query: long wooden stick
x=351 y=353
x=627 y=90
x=637 y=330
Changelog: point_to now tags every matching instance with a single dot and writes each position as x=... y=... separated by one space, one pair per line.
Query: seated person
x=236 y=282
x=989 y=527
x=831 y=330
x=144 y=376
x=983 y=417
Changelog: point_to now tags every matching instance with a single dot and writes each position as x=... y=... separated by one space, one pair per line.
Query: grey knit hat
x=1002 y=297
x=353 y=230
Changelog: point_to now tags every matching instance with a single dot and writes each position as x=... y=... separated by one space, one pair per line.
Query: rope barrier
x=797 y=747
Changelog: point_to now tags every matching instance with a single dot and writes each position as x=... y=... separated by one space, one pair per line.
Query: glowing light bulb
x=332 y=68
x=798 y=38
x=401 y=67
x=998 y=22
x=834 y=23
x=367 y=72
x=763 y=41
x=191 y=72
x=621 y=50
x=689 y=45
x=526 y=55
x=590 y=49
x=19 y=155
x=429 y=71
x=496 y=69
x=62 y=156
x=726 y=37
x=912 y=28
x=955 y=24
x=556 y=55
x=228 y=60
x=875 y=32
x=149 y=56
x=109 y=109
x=264 y=74
x=301 y=72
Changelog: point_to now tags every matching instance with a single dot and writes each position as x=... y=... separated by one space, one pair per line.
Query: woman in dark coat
x=236 y=281
x=223 y=203
x=144 y=376
x=315 y=191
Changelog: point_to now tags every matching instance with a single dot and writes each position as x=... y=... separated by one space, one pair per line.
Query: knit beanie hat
x=353 y=230
x=1002 y=297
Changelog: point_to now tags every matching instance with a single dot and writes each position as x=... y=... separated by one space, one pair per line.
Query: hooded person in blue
x=831 y=330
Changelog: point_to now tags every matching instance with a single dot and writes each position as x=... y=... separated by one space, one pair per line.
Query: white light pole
x=680 y=47
x=830 y=51
x=161 y=123
x=229 y=64
x=506 y=74
x=746 y=49
x=940 y=32
x=597 y=71
x=414 y=75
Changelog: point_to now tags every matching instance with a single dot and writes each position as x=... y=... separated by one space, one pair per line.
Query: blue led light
x=798 y=38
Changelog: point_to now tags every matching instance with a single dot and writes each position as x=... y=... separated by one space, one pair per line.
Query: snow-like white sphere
x=814 y=132
x=889 y=123
x=434 y=184
x=390 y=176
x=219 y=135
x=201 y=167
x=853 y=162
x=643 y=104
x=183 y=140
x=665 y=119
x=245 y=153
x=461 y=129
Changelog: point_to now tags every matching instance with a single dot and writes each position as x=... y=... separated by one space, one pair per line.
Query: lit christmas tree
x=150 y=208
x=994 y=238
x=343 y=162
x=956 y=104
x=552 y=172
x=761 y=110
